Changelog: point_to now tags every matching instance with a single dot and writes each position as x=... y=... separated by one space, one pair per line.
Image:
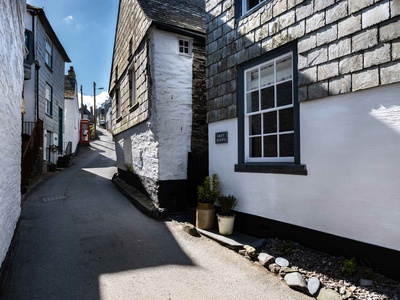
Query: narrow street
x=80 y=238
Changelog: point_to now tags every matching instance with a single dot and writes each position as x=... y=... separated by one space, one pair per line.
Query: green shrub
x=350 y=266
x=227 y=204
x=129 y=167
x=208 y=192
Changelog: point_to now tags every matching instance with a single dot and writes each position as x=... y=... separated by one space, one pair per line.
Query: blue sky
x=86 y=29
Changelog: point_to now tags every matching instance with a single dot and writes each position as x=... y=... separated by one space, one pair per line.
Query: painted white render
x=72 y=118
x=350 y=144
x=172 y=103
x=158 y=148
x=11 y=84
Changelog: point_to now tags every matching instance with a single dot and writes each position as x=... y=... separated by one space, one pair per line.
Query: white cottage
x=158 y=89
x=311 y=107
x=72 y=115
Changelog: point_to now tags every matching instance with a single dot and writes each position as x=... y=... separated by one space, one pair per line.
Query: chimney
x=91 y=110
x=71 y=73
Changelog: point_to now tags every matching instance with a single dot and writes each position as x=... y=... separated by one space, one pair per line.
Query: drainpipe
x=37 y=67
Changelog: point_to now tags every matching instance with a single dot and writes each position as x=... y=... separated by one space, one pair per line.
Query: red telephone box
x=84 y=134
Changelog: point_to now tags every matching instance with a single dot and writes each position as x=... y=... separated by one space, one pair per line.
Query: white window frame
x=49 y=99
x=276 y=108
x=183 y=46
x=49 y=52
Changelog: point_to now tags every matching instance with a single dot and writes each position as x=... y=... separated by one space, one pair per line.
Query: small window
x=130 y=49
x=132 y=87
x=49 y=52
x=29 y=46
x=117 y=103
x=184 y=47
x=49 y=99
x=245 y=5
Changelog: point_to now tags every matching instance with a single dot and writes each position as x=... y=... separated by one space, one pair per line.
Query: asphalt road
x=80 y=238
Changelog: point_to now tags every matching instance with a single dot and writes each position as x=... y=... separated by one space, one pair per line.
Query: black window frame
x=29 y=45
x=295 y=168
x=239 y=7
x=49 y=54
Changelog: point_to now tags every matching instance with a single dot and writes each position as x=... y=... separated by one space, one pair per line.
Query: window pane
x=270 y=146
x=286 y=145
x=286 y=120
x=255 y=147
x=47 y=93
x=252 y=80
x=284 y=93
x=268 y=98
x=255 y=125
x=284 y=69
x=253 y=3
x=252 y=102
x=267 y=75
x=270 y=122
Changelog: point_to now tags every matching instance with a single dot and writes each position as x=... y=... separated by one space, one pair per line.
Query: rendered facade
x=308 y=94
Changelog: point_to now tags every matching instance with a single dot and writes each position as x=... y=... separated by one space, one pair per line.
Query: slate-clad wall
x=11 y=84
x=54 y=77
x=132 y=27
x=343 y=46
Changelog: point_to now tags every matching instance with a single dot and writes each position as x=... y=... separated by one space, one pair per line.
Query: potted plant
x=207 y=194
x=226 y=218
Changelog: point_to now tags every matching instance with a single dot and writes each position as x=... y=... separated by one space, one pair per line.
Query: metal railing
x=27 y=127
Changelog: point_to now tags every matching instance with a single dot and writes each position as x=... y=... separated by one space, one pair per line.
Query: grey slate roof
x=49 y=30
x=185 y=14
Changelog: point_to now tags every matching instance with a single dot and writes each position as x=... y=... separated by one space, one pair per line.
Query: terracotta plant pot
x=205 y=215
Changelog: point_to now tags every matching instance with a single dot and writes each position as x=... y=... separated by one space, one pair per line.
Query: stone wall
x=11 y=83
x=199 y=142
x=343 y=46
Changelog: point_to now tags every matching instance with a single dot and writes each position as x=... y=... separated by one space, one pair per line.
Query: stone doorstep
x=144 y=204
x=234 y=241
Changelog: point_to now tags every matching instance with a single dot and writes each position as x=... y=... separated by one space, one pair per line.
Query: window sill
x=275 y=168
x=49 y=68
x=134 y=107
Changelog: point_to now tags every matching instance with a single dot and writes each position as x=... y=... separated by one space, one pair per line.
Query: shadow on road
x=76 y=228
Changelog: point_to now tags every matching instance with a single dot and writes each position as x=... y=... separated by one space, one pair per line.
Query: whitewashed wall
x=172 y=104
x=71 y=121
x=350 y=144
x=11 y=83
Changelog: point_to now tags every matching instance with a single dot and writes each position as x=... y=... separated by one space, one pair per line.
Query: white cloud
x=68 y=19
x=88 y=99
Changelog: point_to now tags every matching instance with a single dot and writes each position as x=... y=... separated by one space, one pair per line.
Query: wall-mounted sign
x=221 y=137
